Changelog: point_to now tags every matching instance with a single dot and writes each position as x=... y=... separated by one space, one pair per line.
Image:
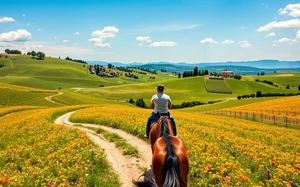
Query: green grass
x=11 y=97
x=282 y=79
x=226 y=104
x=53 y=73
x=217 y=86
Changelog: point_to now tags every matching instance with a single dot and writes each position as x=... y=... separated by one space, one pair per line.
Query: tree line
x=40 y=55
x=76 y=60
x=13 y=51
x=195 y=72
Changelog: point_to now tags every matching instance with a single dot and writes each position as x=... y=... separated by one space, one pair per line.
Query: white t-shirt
x=161 y=101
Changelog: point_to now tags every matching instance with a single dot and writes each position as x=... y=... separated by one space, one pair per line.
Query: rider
x=161 y=103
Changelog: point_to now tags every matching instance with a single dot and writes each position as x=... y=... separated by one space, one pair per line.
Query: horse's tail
x=148 y=180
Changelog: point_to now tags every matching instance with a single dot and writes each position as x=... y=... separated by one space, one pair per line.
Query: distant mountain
x=243 y=67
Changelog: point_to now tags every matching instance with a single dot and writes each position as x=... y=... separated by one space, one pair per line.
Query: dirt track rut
x=126 y=167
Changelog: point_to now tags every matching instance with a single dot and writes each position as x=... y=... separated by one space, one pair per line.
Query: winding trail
x=49 y=98
x=126 y=167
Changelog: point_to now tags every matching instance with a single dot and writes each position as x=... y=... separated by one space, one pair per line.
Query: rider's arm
x=152 y=105
x=169 y=104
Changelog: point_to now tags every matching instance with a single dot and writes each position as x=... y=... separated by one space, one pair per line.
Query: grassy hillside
x=217 y=86
x=184 y=89
x=53 y=73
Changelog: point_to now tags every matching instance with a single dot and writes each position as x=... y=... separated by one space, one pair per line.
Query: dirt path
x=49 y=98
x=126 y=167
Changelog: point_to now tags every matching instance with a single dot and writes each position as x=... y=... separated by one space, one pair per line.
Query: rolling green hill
x=53 y=73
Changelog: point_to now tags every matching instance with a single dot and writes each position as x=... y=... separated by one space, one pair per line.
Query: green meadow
x=80 y=87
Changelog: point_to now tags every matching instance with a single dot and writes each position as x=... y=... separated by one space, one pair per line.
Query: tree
x=258 y=94
x=33 y=54
x=131 y=101
x=179 y=76
x=109 y=65
x=299 y=87
x=29 y=53
x=196 y=71
x=287 y=86
x=257 y=74
x=140 y=103
x=239 y=97
x=40 y=55
x=7 y=51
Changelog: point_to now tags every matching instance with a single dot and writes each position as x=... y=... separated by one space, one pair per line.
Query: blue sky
x=154 y=30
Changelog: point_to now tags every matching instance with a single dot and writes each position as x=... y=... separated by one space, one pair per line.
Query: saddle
x=158 y=116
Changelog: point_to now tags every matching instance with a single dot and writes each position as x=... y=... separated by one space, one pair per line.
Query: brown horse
x=170 y=163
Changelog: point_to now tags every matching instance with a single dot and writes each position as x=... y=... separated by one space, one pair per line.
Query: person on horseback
x=161 y=103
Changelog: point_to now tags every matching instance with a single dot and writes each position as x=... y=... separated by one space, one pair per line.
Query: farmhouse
x=227 y=74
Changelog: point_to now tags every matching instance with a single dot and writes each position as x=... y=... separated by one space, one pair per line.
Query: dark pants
x=152 y=117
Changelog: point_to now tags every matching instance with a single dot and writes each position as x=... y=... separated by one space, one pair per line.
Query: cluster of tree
x=152 y=77
x=267 y=82
x=1 y=65
x=245 y=96
x=40 y=55
x=262 y=73
x=13 y=51
x=237 y=76
x=130 y=75
x=163 y=70
x=125 y=69
x=259 y=94
x=146 y=69
x=299 y=87
x=187 y=104
x=139 y=102
x=196 y=72
x=76 y=60
x=144 y=73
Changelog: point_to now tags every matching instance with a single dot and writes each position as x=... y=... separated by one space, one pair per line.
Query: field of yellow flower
x=35 y=152
x=222 y=150
x=284 y=110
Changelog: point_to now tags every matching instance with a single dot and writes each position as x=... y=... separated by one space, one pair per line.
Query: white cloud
x=143 y=39
x=98 y=42
x=111 y=29
x=76 y=33
x=228 y=42
x=284 y=40
x=208 y=40
x=163 y=44
x=293 y=23
x=298 y=35
x=270 y=35
x=6 y=19
x=65 y=41
x=245 y=44
x=291 y=9
x=5 y=44
x=141 y=45
x=99 y=35
x=15 y=36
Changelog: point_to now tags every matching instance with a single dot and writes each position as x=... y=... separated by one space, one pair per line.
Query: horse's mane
x=171 y=168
